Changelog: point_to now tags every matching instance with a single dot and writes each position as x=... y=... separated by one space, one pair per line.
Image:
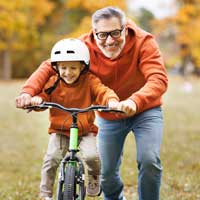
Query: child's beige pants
x=57 y=148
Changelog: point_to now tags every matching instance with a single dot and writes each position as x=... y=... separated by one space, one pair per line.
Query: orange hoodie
x=138 y=73
x=83 y=93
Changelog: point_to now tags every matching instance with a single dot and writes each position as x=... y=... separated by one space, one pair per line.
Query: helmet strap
x=86 y=68
x=53 y=87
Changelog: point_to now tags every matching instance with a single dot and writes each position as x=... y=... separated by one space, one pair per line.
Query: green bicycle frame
x=73 y=143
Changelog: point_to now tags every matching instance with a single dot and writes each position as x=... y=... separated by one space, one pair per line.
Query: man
x=126 y=59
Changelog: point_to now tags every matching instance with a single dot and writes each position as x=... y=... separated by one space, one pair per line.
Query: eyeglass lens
x=113 y=34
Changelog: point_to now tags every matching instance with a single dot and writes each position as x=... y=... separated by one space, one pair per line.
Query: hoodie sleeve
x=43 y=94
x=101 y=94
x=38 y=79
x=152 y=67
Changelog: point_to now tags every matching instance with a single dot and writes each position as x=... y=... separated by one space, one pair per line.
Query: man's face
x=113 y=36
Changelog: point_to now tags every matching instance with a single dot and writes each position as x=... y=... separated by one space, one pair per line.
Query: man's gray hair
x=107 y=13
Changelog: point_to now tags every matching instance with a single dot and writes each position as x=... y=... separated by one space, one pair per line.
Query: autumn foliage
x=188 y=34
x=29 y=28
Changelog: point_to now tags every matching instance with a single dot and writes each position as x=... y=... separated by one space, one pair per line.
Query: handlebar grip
x=112 y=110
x=40 y=106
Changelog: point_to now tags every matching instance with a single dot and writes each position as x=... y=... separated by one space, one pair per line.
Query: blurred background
x=29 y=28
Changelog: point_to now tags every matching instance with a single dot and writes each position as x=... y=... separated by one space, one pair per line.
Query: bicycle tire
x=70 y=183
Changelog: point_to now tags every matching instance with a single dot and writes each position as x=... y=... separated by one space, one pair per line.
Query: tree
x=19 y=28
x=145 y=18
x=188 y=35
x=28 y=30
x=88 y=7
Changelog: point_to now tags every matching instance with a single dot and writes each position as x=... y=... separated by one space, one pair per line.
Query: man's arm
x=154 y=72
x=38 y=79
x=34 y=84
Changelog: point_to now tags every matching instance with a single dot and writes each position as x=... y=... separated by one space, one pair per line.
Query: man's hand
x=23 y=100
x=128 y=106
x=113 y=104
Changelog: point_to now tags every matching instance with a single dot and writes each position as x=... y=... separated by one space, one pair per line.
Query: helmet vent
x=70 y=52
x=57 y=52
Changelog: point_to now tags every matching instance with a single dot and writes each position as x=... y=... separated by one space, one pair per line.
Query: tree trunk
x=6 y=65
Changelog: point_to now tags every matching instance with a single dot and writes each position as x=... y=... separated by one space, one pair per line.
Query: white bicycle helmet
x=70 y=50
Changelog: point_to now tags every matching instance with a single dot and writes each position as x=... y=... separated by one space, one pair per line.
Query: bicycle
x=71 y=179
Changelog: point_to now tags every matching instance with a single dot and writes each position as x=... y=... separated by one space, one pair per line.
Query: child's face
x=70 y=70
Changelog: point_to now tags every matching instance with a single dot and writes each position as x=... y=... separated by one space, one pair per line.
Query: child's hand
x=36 y=100
x=128 y=106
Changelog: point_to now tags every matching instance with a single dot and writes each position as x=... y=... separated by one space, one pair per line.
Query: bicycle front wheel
x=70 y=183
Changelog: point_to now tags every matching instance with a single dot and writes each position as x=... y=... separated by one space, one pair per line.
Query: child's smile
x=70 y=70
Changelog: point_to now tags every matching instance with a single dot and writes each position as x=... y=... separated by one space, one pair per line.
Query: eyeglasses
x=114 y=34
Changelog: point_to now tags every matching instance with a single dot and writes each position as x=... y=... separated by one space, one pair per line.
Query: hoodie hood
x=110 y=71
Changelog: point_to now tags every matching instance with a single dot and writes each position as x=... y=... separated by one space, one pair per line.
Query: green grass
x=24 y=138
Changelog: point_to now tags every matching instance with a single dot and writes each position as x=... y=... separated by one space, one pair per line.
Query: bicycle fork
x=71 y=160
x=80 y=173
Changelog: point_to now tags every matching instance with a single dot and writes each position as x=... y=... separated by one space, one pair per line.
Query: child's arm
x=102 y=94
x=37 y=100
x=107 y=96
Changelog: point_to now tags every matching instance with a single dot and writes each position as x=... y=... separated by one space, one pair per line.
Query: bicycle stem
x=73 y=143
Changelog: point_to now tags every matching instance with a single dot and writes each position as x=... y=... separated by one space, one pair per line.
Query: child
x=74 y=87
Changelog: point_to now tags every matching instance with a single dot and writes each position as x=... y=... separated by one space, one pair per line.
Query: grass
x=24 y=138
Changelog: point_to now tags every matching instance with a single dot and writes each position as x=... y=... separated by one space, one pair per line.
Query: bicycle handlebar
x=99 y=108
